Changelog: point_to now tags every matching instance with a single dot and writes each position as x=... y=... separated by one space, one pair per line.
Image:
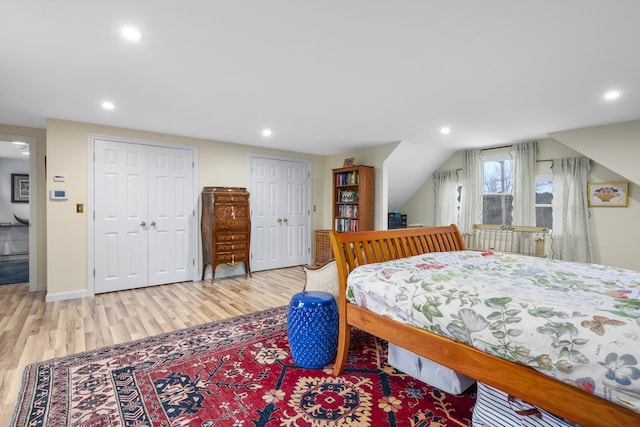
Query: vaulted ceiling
x=325 y=77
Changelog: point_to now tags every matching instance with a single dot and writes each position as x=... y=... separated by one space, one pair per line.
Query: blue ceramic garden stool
x=312 y=326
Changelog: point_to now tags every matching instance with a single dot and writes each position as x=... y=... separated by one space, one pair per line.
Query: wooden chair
x=507 y=238
x=322 y=278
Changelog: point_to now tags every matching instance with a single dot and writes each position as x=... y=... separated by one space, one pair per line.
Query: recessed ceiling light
x=266 y=132
x=107 y=105
x=26 y=153
x=131 y=34
x=445 y=131
x=611 y=95
x=20 y=143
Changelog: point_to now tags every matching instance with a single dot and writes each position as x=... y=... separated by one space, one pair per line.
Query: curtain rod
x=537 y=161
x=502 y=146
x=495 y=148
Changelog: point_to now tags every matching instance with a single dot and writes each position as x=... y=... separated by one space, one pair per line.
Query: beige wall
x=615 y=146
x=615 y=231
x=220 y=164
x=63 y=266
x=62 y=233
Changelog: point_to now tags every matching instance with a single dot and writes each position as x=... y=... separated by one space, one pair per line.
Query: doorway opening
x=18 y=208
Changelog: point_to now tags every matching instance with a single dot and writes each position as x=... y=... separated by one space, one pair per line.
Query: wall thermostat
x=58 y=195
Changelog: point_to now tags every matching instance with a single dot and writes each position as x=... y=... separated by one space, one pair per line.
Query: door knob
x=279 y=219
x=143 y=224
x=285 y=220
x=153 y=223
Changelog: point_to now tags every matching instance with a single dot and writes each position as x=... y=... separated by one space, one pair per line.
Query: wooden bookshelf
x=353 y=193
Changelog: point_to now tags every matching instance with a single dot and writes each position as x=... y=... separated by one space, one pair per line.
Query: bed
x=566 y=400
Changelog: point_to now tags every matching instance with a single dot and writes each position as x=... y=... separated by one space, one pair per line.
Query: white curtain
x=445 y=187
x=471 y=200
x=570 y=237
x=523 y=158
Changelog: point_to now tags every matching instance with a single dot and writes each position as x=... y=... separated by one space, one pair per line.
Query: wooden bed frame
x=364 y=247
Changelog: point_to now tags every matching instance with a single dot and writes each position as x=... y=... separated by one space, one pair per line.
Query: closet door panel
x=266 y=239
x=120 y=206
x=170 y=214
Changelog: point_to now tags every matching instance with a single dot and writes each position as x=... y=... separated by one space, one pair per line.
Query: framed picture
x=19 y=188
x=348 y=162
x=609 y=194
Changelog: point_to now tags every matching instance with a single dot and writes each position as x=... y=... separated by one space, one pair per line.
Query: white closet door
x=144 y=204
x=266 y=223
x=120 y=216
x=295 y=212
x=170 y=215
x=280 y=213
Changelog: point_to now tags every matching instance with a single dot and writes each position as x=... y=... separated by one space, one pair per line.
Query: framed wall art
x=19 y=188
x=615 y=194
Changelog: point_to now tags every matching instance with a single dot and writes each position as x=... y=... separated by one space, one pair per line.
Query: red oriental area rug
x=236 y=372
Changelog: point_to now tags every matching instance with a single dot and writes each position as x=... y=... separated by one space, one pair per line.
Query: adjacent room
x=183 y=190
x=14 y=211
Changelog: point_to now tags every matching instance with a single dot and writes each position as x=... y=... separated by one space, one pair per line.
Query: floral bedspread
x=578 y=323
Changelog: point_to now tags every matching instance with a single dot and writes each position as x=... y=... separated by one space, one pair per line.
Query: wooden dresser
x=225 y=227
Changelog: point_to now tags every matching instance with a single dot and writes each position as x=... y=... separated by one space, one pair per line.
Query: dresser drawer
x=234 y=199
x=231 y=246
x=231 y=237
x=231 y=258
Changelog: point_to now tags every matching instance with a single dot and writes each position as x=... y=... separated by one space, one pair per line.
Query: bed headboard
x=365 y=247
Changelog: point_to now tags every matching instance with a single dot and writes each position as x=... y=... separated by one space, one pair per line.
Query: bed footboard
x=366 y=247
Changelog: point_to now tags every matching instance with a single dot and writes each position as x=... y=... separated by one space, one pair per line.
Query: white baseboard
x=60 y=296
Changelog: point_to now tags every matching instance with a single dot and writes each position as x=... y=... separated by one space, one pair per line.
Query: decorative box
x=428 y=371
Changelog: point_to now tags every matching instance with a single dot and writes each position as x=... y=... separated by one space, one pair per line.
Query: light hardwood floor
x=32 y=330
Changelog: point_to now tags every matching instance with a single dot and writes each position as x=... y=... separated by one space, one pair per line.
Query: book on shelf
x=349 y=211
x=347 y=196
x=347 y=178
x=346 y=224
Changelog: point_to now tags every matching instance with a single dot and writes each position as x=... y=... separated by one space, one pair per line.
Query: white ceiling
x=325 y=76
x=10 y=151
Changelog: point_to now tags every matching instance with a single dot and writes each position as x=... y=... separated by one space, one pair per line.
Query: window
x=544 y=196
x=497 y=190
x=497 y=200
